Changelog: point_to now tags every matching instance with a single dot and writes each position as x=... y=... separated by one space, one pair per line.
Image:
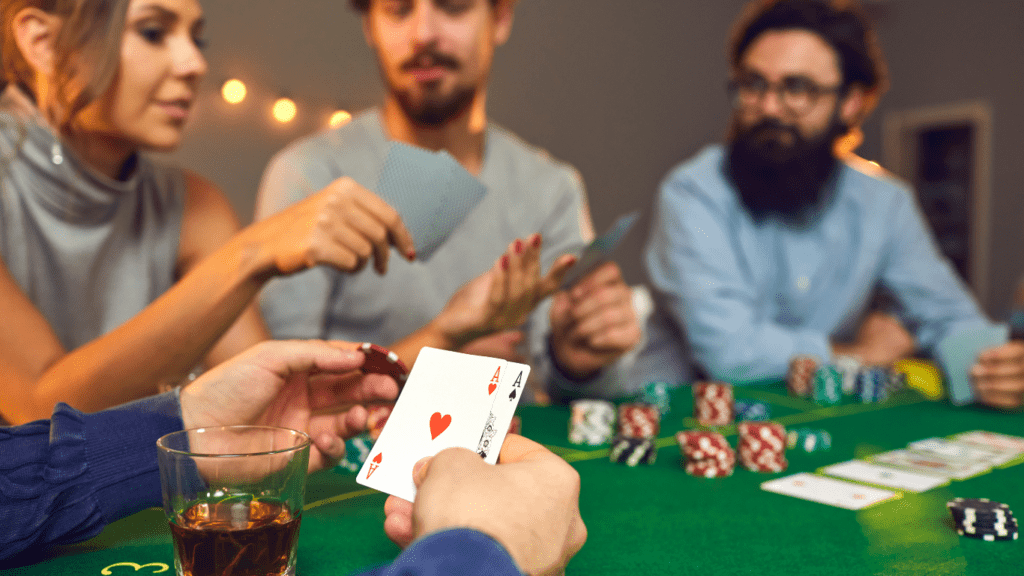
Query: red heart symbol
x=491 y=388
x=378 y=458
x=439 y=424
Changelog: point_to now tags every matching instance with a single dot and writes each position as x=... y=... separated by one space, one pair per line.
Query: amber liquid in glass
x=235 y=538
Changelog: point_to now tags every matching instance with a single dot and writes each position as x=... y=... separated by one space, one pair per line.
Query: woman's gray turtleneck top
x=89 y=251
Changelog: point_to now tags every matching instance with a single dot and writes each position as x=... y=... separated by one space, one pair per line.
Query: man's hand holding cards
x=449 y=400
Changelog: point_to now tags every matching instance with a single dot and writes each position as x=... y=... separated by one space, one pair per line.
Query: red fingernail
x=519 y=246
x=411 y=254
x=536 y=240
x=504 y=262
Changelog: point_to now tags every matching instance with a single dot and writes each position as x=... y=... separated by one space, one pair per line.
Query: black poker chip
x=978 y=505
x=989 y=537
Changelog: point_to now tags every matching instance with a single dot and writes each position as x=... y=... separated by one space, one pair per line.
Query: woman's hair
x=89 y=40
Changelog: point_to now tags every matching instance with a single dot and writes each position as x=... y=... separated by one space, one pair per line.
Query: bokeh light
x=284 y=110
x=233 y=91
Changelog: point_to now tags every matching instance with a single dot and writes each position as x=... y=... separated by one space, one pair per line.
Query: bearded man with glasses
x=773 y=245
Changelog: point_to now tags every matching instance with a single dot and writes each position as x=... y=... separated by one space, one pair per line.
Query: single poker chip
x=706 y=469
x=380 y=360
x=989 y=537
x=976 y=505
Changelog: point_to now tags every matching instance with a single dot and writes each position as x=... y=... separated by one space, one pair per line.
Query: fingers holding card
x=449 y=400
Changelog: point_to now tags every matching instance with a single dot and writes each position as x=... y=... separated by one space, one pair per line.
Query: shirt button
x=803 y=283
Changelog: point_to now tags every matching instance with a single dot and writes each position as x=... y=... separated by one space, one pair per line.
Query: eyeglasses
x=797 y=94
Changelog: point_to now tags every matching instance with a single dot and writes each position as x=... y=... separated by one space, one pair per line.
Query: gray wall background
x=621 y=90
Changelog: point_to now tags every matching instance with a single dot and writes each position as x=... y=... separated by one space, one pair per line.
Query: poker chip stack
x=713 y=403
x=706 y=454
x=632 y=451
x=872 y=384
x=808 y=439
x=983 y=519
x=591 y=422
x=762 y=446
x=828 y=386
x=801 y=373
x=639 y=421
x=657 y=394
x=357 y=449
x=376 y=418
x=747 y=410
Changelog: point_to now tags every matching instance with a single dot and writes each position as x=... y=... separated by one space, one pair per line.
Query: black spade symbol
x=512 y=396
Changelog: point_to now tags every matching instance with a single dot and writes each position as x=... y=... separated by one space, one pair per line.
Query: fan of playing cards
x=449 y=400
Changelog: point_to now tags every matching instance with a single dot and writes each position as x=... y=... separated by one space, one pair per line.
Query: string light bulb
x=233 y=91
x=339 y=118
x=284 y=110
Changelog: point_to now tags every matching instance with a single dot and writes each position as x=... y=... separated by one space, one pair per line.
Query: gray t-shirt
x=90 y=252
x=527 y=192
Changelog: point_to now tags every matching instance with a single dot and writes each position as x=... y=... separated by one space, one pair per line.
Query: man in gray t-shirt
x=435 y=59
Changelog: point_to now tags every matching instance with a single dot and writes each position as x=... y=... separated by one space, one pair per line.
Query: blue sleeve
x=933 y=297
x=461 y=551
x=697 y=274
x=63 y=480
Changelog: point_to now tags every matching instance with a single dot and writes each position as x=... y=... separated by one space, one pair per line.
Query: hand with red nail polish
x=501 y=298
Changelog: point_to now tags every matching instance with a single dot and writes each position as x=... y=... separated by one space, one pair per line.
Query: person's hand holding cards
x=344 y=226
x=998 y=376
x=594 y=322
x=529 y=503
x=502 y=297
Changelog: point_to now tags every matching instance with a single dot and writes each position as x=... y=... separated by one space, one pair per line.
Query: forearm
x=161 y=344
x=66 y=478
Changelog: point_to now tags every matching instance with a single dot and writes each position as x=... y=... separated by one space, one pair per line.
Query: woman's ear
x=35 y=33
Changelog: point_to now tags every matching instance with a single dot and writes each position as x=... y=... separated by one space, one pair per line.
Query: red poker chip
x=767 y=431
x=380 y=360
x=712 y=390
x=771 y=468
x=708 y=469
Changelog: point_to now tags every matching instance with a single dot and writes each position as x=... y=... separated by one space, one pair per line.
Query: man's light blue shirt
x=751 y=295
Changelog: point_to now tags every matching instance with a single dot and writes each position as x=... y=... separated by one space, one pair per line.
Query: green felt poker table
x=658 y=520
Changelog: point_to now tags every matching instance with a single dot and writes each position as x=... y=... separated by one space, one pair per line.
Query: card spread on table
x=862 y=471
x=448 y=401
x=956 y=451
x=927 y=463
x=600 y=249
x=828 y=491
x=958 y=352
x=431 y=191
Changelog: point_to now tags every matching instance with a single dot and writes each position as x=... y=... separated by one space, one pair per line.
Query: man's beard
x=783 y=179
x=434 y=110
